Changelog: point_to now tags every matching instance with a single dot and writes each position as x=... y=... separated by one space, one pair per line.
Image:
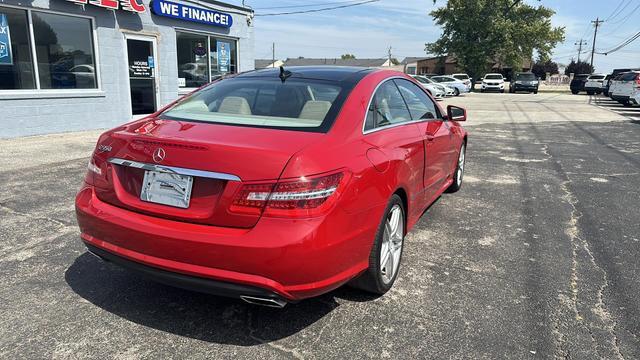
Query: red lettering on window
x=127 y=5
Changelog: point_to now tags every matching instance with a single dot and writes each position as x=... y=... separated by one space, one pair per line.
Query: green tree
x=347 y=56
x=481 y=32
x=542 y=67
x=581 y=67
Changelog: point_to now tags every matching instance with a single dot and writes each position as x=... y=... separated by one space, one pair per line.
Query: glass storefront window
x=16 y=63
x=64 y=50
x=192 y=60
x=195 y=68
x=64 y=56
x=223 y=57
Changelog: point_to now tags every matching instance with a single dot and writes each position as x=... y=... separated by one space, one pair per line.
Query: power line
x=318 y=10
x=623 y=44
x=624 y=19
x=617 y=11
x=307 y=5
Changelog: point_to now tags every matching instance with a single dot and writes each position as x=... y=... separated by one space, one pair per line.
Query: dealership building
x=68 y=65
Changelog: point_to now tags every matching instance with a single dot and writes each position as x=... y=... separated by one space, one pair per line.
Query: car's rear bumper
x=621 y=98
x=292 y=258
x=187 y=282
x=593 y=88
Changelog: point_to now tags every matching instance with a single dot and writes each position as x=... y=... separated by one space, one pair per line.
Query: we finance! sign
x=191 y=13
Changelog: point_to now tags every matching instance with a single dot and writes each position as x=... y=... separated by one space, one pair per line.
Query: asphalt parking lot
x=535 y=258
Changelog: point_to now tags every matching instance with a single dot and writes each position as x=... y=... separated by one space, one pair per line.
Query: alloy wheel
x=460 y=172
x=392 y=242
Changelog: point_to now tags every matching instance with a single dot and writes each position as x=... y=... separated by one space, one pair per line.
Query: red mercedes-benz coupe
x=273 y=185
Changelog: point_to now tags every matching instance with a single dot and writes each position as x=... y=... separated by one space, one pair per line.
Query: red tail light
x=638 y=80
x=92 y=170
x=304 y=197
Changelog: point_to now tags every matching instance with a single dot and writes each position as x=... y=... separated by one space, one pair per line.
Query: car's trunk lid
x=236 y=154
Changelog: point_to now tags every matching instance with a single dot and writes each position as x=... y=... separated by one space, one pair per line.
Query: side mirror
x=456 y=113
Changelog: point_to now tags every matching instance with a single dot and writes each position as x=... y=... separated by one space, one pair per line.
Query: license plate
x=167 y=189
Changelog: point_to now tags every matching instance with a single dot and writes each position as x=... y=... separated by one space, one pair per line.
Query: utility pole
x=273 y=54
x=597 y=22
x=580 y=44
x=389 y=56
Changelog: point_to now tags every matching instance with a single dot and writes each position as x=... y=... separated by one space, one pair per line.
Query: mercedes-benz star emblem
x=159 y=155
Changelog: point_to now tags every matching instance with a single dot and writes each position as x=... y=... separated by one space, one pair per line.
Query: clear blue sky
x=368 y=30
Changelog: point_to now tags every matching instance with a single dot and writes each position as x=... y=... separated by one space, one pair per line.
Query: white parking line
x=630 y=112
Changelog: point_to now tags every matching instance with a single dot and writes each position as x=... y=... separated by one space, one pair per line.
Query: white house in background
x=267 y=63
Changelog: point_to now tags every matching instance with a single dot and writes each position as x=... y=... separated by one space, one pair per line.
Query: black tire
x=372 y=279
x=626 y=103
x=535 y=92
x=574 y=92
x=589 y=92
x=481 y=90
x=502 y=91
x=456 y=92
x=457 y=182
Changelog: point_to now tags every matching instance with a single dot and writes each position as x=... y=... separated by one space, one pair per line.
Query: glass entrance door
x=142 y=75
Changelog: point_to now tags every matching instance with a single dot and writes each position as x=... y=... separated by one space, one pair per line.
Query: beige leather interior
x=235 y=105
x=315 y=110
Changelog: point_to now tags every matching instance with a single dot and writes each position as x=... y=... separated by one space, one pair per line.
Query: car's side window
x=420 y=105
x=387 y=107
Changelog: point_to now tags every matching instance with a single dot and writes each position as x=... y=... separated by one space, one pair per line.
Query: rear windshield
x=297 y=104
x=422 y=80
x=493 y=77
x=526 y=76
x=461 y=77
x=580 y=77
x=596 y=77
x=629 y=76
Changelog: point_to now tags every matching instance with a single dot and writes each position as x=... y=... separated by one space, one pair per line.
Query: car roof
x=331 y=73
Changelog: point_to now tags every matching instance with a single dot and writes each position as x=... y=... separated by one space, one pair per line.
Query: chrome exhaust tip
x=269 y=302
x=98 y=256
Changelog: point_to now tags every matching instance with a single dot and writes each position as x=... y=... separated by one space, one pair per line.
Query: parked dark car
x=524 y=81
x=577 y=84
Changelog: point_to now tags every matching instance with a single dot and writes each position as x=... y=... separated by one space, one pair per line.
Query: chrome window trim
x=364 y=123
x=174 y=170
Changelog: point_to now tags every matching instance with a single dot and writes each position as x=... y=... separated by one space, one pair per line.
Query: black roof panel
x=331 y=73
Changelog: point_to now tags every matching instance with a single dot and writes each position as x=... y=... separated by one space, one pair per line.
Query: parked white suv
x=594 y=84
x=626 y=89
x=492 y=82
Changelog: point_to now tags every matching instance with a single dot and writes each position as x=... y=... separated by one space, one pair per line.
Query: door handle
x=430 y=137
